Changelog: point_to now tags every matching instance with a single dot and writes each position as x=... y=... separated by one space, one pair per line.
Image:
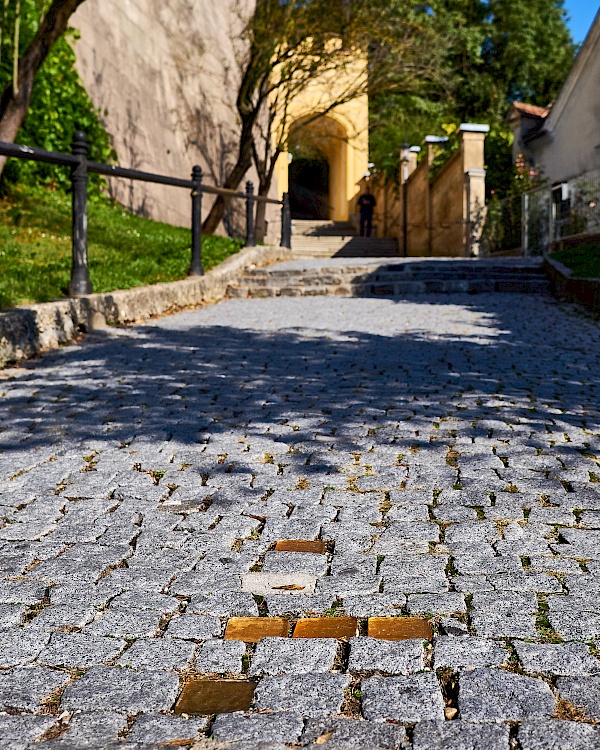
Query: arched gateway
x=327 y=156
x=317 y=168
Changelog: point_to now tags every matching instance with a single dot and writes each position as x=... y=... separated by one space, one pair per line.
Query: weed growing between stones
x=569 y=711
x=336 y=609
x=512 y=664
x=50 y=704
x=542 y=623
x=351 y=706
x=36 y=609
x=449 y=684
x=452 y=457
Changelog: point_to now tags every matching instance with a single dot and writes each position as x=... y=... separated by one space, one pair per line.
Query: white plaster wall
x=572 y=143
x=164 y=75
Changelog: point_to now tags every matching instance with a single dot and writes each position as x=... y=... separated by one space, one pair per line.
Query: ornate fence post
x=286 y=222
x=250 y=201
x=80 y=277
x=196 y=264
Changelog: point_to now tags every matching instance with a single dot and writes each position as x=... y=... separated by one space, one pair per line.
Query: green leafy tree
x=290 y=43
x=498 y=51
x=30 y=29
x=528 y=50
x=59 y=106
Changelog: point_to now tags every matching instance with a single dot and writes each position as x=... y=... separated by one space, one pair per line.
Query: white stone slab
x=267 y=584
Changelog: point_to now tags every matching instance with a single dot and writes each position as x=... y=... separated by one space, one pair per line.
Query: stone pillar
x=472 y=144
x=433 y=144
x=472 y=138
x=413 y=156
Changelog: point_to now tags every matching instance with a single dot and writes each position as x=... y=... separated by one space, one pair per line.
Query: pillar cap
x=468 y=127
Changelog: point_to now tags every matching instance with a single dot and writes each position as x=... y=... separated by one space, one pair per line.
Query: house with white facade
x=563 y=140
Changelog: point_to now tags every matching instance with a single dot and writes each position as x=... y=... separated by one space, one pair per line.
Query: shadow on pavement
x=519 y=367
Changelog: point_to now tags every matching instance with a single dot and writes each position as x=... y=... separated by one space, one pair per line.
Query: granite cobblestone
x=445 y=449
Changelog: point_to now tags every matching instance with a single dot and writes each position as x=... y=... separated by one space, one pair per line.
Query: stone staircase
x=380 y=278
x=332 y=239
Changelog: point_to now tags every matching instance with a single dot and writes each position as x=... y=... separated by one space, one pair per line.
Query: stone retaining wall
x=585 y=292
x=28 y=330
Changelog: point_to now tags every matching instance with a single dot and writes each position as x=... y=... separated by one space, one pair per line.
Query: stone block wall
x=164 y=76
x=445 y=212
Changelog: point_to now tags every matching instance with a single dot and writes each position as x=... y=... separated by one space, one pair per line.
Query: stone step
x=345 y=270
x=381 y=249
x=381 y=274
x=341 y=237
x=365 y=275
x=310 y=246
x=406 y=286
x=321 y=228
x=369 y=248
x=391 y=289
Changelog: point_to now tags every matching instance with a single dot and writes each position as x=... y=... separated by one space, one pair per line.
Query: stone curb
x=585 y=292
x=31 y=329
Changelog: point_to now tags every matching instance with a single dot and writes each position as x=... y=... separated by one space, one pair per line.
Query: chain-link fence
x=538 y=219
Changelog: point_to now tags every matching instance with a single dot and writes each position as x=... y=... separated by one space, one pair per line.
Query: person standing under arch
x=366 y=205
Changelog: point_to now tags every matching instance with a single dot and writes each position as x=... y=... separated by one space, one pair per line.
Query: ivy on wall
x=60 y=104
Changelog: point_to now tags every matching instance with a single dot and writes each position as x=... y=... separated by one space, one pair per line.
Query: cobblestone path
x=154 y=481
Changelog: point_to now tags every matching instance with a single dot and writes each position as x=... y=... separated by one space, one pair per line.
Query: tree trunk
x=15 y=100
x=243 y=164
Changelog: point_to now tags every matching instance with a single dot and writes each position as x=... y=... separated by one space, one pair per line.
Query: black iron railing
x=81 y=168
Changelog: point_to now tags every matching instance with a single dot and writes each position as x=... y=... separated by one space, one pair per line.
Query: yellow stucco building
x=327 y=154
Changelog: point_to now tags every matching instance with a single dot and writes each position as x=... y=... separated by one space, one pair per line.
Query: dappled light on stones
x=221 y=496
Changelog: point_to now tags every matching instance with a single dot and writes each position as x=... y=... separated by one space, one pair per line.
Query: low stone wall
x=585 y=292
x=575 y=241
x=28 y=330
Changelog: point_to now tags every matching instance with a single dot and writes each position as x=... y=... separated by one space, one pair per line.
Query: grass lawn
x=584 y=260
x=124 y=250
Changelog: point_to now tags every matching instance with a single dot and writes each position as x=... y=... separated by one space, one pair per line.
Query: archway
x=317 y=170
x=309 y=186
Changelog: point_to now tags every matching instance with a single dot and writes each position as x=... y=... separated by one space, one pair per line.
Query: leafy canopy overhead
x=497 y=51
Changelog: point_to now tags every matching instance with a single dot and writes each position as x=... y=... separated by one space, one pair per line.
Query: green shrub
x=59 y=105
x=583 y=260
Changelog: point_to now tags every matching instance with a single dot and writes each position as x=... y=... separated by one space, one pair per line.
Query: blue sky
x=582 y=14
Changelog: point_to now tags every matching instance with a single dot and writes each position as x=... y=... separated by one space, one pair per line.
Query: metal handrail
x=80 y=283
x=16 y=151
x=134 y=174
